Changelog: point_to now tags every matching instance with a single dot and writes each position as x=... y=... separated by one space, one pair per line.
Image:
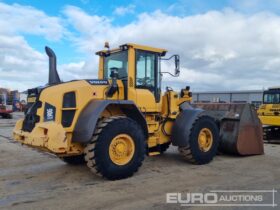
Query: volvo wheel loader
x=269 y=114
x=112 y=122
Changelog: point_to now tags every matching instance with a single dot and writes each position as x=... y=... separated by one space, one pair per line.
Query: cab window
x=145 y=70
x=116 y=60
x=148 y=72
x=271 y=98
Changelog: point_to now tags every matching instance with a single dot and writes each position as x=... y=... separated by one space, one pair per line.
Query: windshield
x=271 y=98
x=116 y=60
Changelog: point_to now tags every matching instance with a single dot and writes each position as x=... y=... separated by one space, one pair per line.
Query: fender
x=88 y=118
x=183 y=124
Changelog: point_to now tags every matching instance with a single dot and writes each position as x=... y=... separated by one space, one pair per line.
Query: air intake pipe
x=53 y=75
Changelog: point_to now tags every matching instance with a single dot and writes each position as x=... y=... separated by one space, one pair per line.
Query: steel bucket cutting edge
x=240 y=127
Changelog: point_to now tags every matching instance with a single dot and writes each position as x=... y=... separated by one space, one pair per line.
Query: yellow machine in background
x=269 y=114
x=113 y=121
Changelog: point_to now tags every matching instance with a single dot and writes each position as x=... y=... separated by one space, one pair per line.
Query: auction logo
x=230 y=198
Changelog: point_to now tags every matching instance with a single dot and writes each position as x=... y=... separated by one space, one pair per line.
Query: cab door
x=147 y=83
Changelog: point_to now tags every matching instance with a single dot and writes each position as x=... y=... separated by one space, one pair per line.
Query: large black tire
x=97 y=151
x=74 y=160
x=271 y=133
x=193 y=153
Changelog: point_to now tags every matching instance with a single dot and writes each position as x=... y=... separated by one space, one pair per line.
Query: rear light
x=69 y=100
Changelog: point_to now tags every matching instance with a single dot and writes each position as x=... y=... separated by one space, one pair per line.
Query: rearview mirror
x=114 y=73
x=177 y=65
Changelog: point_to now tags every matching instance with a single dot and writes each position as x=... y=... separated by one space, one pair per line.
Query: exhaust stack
x=53 y=75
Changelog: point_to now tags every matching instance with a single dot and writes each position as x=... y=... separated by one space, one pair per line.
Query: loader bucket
x=240 y=127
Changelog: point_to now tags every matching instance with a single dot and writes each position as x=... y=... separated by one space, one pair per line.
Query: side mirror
x=114 y=73
x=113 y=88
x=177 y=65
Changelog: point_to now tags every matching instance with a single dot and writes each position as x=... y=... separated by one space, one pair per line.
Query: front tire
x=203 y=141
x=117 y=148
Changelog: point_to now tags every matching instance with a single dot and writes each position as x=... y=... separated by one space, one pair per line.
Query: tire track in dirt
x=6 y=137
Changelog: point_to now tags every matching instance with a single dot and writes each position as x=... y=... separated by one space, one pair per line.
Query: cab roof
x=161 y=51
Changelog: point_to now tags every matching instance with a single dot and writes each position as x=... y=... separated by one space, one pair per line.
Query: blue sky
x=107 y=7
x=68 y=53
x=218 y=40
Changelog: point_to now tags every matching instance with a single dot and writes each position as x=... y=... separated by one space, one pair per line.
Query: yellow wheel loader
x=112 y=122
x=269 y=114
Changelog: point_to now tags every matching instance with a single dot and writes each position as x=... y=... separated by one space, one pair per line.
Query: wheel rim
x=121 y=149
x=205 y=139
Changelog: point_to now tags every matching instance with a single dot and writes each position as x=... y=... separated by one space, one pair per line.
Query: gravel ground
x=34 y=180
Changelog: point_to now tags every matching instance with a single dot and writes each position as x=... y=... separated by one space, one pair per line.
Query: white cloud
x=219 y=49
x=124 y=10
x=17 y=18
x=85 y=23
x=71 y=71
x=21 y=66
x=253 y=6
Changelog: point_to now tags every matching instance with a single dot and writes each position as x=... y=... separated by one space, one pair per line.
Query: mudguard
x=88 y=118
x=183 y=124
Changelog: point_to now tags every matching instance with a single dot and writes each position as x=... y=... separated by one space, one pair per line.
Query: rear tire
x=203 y=141
x=117 y=148
x=74 y=160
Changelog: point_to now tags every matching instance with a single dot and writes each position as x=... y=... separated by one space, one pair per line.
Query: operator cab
x=271 y=96
x=139 y=68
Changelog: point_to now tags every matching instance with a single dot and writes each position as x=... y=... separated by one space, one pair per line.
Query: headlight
x=69 y=100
